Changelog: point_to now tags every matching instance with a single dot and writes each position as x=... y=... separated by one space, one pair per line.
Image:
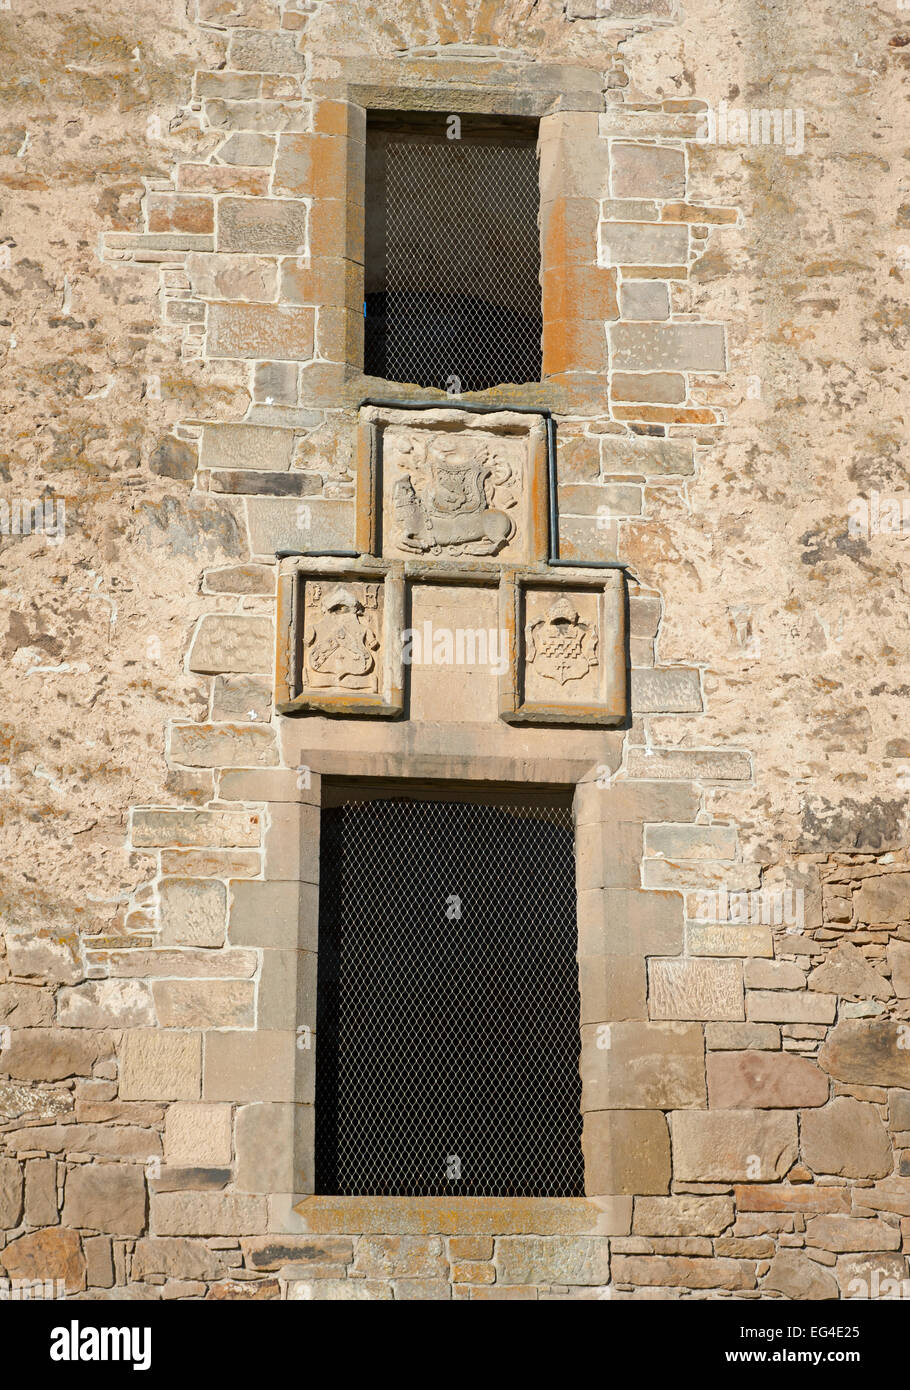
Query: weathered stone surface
x=795 y=1276
x=287 y=523
x=552 y=1260
x=626 y=1151
x=773 y=974
x=222 y=745
x=733 y=1145
x=50 y=1254
x=883 y=899
x=108 y=1197
x=642 y=1066
x=847 y=1138
x=205 y=1003
x=207 y=1214
x=279 y=332
x=647 y=171
x=663 y=1270
x=174 y=1258
x=246 y=446
x=50 y=1054
x=10 y=1193
x=192 y=912
x=873 y=1053
x=25 y=1006
x=106 y=1004
x=32 y=1102
x=847 y=972
x=226 y=643
x=789 y=1006
x=407 y=1256
x=697 y=347
x=198 y=1134
x=851 y=1233
x=265 y=226
x=160 y=1066
x=728 y=939
x=877 y=1276
x=695 y=989
x=647 y=299
x=899 y=961
x=683 y=1215
x=764 y=1081
x=742 y=1037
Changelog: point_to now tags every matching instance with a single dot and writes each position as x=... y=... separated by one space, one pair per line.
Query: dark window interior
x=447 y=1030
x=452 y=276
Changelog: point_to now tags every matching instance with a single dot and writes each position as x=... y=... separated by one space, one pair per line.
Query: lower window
x=447 y=1030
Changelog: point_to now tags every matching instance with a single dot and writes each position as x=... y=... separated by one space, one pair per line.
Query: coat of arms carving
x=455 y=494
x=341 y=636
x=560 y=646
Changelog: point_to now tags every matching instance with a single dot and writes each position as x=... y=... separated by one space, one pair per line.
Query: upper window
x=452 y=275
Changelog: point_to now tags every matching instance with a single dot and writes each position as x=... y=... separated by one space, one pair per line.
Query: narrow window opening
x=447 y=1032
x=452 y=274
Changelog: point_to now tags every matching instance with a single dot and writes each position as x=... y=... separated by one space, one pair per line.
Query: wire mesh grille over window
x=455 y=303
x=447 y=1031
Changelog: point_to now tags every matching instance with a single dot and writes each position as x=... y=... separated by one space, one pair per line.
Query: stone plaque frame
x=293 y=692
x=611 y=706
x=372 y=524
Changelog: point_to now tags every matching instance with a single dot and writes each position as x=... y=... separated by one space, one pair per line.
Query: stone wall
x=723 y=355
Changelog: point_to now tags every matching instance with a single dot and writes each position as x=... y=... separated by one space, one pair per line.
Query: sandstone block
x=847 y=972
x=618 y=922
x=207 y=1214
x=257 y=1066
x=645 y=243
x=883 y=899
x=10 y=1193
x=246 y=446
x=795 y=1276
x=647 y=457
x=227 y=643
x=275 y=915
x=263 y=226
x=645 y=299
x=728 y=939
x=106 y=1004
x=867 y=1053
x=733 y=1145
x=401 y=1256
x=175 y=1258
x=789 y=1006
x=683 y=1215
x=269 y=1139
x=192 y=911
x=695 y=989
x=773 y=974
x=847 y=1138
x=612 y=988
x=844 y=1234
x=108 y=1197
x=50 y=1254
x=664 y=1270
x=626 y=1152
x=647 y=171
x=764 y=1081
x=285 y=523
x=292 y=844
x=99 y=1263
x=899 y=960
x=205 y=1003
x=278 y=332
x=40 y=1194
x=742 y=1037
x=656 y=691
x=157 y=1065
x=647 y=1066
x=222 y=745
x=197 y=1134
x=664 y=347
x=552 y=1260
x=50 y=1054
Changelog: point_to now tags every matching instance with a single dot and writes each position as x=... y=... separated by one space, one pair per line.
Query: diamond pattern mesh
x=447 y=1033
x=461 y=309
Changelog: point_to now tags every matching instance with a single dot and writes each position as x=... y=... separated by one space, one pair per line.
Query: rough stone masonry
x=725 y=243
